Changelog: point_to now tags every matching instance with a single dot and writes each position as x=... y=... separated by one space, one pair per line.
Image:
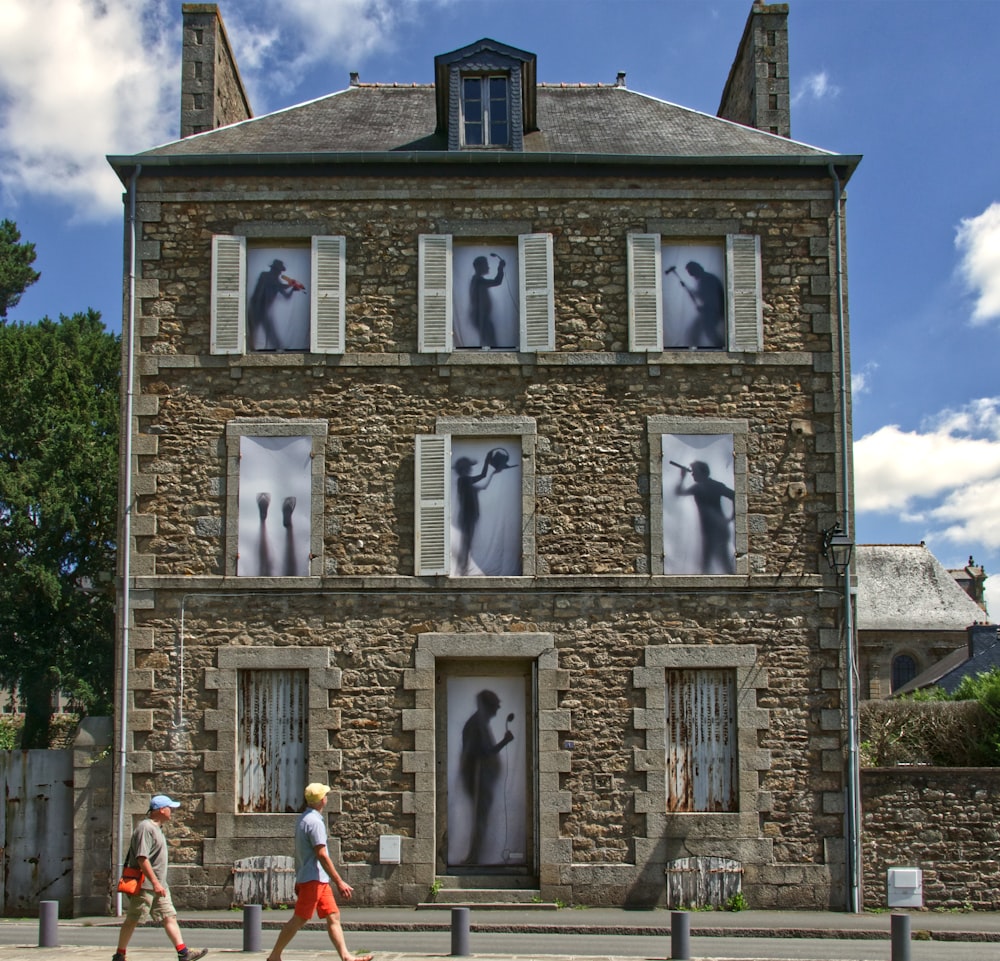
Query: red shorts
x=314 y=897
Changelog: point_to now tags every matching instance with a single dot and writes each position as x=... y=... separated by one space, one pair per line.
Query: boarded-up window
x=701 y=740
x=271 y=740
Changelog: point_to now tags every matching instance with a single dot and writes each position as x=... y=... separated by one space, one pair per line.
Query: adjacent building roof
x=903 y=587
x=606 y=120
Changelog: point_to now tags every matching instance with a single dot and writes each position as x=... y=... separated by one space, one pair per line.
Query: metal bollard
x=900 y=937
x=251 y=926
x=460 y=932
x=680 y=935
x=48 y=924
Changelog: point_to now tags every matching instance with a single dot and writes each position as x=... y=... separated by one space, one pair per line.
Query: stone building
x=911 y=613
x=480 y=443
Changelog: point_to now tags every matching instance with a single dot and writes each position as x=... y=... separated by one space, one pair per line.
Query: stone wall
x=942 y=820
x=592 y=627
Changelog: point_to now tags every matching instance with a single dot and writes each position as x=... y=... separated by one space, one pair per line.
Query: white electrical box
x=390 y=849
x=906 y=888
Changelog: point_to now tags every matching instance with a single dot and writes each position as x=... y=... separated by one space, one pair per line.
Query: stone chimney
x=212 y=93
x=757 y=90
x=981 y=638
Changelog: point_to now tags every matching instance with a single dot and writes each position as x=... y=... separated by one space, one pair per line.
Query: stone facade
x=592 y=625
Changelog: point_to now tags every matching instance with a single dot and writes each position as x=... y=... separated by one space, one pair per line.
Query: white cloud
x=861 y=380
x=80 y=79
x=945 y=476
x=816 y=86
x=978 y=240
x=992 y=593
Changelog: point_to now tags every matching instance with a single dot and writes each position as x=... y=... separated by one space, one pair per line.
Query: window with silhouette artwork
x=274 y=497
x=695 y=294
x=480 y=294
x=472 y=500
x=277 y=296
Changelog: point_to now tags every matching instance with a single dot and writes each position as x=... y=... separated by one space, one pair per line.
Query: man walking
x=148 y=852
x=314 y=872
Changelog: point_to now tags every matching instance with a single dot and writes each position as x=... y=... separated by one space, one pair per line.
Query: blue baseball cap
x=158 y=801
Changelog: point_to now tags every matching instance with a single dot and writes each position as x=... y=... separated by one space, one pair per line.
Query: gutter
x=124 y=165
x=126 y=535
x=852 y=812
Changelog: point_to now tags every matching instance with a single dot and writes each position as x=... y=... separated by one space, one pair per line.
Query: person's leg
x=336 y=932
x=288 y=931
x=137 y=907
x=125 y=933
x=173 y=930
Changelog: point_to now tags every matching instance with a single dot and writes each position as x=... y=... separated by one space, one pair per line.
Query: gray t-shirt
x=310 y=831
x=148 y=842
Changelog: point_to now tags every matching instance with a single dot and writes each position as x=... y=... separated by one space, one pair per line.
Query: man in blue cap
x=148 y=852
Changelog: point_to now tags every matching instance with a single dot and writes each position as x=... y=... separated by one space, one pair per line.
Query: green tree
x=16 y=275
x=58 y=493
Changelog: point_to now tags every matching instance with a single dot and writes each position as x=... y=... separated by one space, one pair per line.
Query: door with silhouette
x=485 y=766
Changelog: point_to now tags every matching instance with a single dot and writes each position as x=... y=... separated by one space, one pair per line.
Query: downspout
x=126 y=535
x=853 y=806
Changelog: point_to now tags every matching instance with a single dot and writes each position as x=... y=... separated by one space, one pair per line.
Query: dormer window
x=485 y=96
x=486 y=111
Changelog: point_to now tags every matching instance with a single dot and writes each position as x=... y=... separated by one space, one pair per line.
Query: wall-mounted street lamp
x=837 y=549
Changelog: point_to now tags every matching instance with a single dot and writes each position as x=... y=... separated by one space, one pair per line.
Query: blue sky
x=910 y=84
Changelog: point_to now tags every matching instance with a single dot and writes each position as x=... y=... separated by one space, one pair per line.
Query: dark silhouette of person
x=480 y=305
x=468 y=505
x=708 y=329
x=708 y=495
x=479 y=768
x=467 y=497
x=263 y=548
x=270 y=286
x=287 y=506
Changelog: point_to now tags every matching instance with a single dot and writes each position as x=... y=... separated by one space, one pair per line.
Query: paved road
x=19 y=939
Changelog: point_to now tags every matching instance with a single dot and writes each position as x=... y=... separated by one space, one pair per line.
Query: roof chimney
x=757 y=89
x=981 y=638
x=355 y=79
x=212 y=92
x=620 y=79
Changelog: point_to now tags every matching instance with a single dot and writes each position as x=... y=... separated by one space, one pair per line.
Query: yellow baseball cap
x=316 y=792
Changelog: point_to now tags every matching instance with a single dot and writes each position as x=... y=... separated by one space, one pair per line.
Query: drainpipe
x=853 y=806
x=126 y=535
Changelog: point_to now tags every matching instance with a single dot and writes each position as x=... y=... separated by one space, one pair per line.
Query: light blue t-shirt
x=310 y=831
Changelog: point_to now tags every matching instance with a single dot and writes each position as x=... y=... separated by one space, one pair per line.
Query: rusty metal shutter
x=701 y=740
x=271 y=732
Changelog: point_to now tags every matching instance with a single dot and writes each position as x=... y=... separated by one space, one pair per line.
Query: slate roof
x=903 y=587
x=573 y=119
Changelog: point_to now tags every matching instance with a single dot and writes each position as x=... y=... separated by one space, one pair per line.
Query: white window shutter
x=645 y=286
x=327 y=311
x=229 y=302
x=538 y=325
x=744 y=301
x=435 y=333
x=432 y=486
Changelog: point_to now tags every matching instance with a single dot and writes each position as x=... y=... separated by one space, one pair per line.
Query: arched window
x=904 y=669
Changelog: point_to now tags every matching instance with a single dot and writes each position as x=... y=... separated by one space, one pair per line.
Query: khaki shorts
x=158 y=907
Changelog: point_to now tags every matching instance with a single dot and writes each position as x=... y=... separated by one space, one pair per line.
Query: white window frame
x=536 y=293
x=432 y=489
x=744 y=292
x=484 y=83
x=327 y=307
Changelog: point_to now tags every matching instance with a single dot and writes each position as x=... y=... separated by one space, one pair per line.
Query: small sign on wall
x=905 y=888
x=390 y=849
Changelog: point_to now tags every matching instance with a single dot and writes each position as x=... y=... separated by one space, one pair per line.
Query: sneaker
x=189 y=955
x=118 y=956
